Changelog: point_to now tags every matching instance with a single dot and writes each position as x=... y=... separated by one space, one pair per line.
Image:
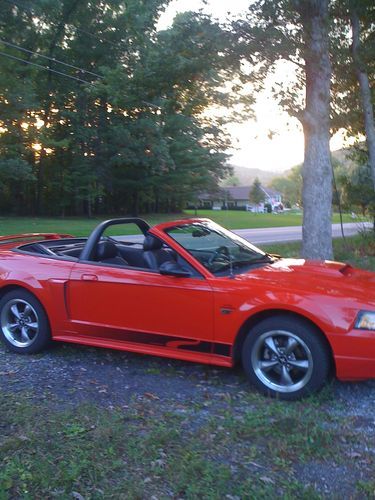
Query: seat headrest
x=151 y=243
x=106 y=250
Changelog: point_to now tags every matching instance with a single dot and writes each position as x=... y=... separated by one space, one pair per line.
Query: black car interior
x=106 y=252
x=154 y=254
x=150 y=254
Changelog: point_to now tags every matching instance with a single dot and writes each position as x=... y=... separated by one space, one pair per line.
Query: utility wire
x=18 y=47
x=40 y=66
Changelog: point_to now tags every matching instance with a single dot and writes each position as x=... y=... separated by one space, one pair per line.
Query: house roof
x=237 y=192
x=270 y=192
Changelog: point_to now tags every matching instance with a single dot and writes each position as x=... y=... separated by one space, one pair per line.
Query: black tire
x=24 y=325
x=286 y=358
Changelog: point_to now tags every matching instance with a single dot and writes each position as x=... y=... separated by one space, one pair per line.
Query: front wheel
x=24 y=326
x=286 y=358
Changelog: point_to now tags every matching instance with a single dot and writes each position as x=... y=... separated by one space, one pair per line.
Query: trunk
x=89 y=205
x=135 y=204
x=364 y=85
x=317 y=170
x=156 y=206
x=40 y=184
x=62 y=191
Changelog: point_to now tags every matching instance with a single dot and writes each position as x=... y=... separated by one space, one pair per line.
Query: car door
x=140 y=306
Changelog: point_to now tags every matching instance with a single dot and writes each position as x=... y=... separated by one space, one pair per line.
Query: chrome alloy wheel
x=19 y=323
x=282 y=361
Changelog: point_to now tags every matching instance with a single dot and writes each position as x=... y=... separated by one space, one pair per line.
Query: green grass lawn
x=233 y=219
x=71 y=225
x=359 y=251
x=82 y=227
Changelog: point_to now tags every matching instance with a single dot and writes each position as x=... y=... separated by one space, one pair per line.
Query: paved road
x=278 y=234
x=293 y=233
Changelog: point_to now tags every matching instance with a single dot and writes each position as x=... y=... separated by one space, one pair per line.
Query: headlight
x=365 y=320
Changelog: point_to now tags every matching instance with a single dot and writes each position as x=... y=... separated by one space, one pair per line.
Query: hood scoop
x=347 y=270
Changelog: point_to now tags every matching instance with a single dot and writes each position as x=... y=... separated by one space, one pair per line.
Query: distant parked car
x=190 y=290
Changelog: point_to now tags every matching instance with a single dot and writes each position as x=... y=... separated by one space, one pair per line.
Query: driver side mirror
x=174 y=269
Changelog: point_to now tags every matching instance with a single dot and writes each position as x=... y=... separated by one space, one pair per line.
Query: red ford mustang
x=190 y=290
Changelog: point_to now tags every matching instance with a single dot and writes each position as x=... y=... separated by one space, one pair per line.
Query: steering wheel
x=222 y=253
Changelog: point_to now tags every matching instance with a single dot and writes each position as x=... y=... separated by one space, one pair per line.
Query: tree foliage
x=256 y=194
x=135 y=137
x=290 y=186
x=355 y=184
x=353 y=37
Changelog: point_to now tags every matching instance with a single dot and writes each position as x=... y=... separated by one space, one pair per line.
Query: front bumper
x=354 y=354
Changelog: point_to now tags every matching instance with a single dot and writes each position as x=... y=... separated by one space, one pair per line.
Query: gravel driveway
x=67 y=375
x=76 y=373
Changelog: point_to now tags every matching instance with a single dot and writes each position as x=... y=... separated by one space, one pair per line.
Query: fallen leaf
x=150 y=395
x=267 y=479
x=255 y=465
x=77 y=495
x=353 y=454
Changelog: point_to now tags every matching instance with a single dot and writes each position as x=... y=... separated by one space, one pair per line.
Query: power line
x=40 y=66
x=18 y=47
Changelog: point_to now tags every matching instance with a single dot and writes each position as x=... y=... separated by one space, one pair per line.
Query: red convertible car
x=194 y=291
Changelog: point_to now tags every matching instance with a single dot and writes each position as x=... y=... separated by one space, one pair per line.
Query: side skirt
x=154 y=350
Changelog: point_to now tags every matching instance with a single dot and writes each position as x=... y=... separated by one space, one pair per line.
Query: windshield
x=220 y=251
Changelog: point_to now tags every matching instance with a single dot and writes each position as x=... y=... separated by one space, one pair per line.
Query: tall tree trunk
x=135 y=204
x=317 y=170
x=364 y=85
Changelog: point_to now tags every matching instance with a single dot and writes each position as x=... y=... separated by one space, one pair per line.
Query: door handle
x=89 y=277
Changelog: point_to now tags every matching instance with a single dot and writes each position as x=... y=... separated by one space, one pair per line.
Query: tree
x=290 y=186
x=355 y=9
x=315 y=119
x=356 y=184
x=297 y=31
x=124 y=129
x=256 y=194
x=177 y=151
x=353 y=55
x=232 y=180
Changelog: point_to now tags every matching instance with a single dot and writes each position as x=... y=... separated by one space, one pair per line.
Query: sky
x=254 y=148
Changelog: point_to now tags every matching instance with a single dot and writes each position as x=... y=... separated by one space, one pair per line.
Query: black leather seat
x=134 y=256
x=107 y=253
x=154 y=254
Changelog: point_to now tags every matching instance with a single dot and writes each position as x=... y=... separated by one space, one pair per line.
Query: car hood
x=323 y=277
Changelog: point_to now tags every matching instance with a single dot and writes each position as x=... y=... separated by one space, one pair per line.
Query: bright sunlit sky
x=254 y=148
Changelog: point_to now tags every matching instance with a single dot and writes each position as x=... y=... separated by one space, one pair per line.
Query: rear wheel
x=286 y=358
x=24 y=326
